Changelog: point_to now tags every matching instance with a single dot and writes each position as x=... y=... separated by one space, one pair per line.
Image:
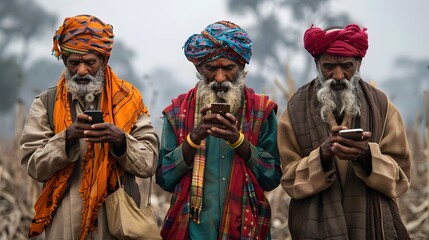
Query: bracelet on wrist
x=192 y=144
x=239 y=141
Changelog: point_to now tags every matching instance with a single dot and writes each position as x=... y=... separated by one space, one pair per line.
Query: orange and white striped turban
x=83 y=34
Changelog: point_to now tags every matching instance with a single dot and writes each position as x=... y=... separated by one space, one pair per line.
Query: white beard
x=86 y=92
x=233 y=96
x=339 y=102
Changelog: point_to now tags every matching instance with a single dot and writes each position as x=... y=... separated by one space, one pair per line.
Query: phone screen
x=221 y=108
x=97 y=116
x=354 y=134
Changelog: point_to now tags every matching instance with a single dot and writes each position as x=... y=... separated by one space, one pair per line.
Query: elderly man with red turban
x=79 y=161
x=218 y=165
x=341 y=187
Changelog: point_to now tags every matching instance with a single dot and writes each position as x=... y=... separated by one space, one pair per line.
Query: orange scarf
x=121 y=105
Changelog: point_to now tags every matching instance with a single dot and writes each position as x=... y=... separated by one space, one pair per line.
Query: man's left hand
x=348 y=149
x=229 y=131
x=106 y=133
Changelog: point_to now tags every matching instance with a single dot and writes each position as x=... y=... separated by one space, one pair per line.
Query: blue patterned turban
x=218 y=40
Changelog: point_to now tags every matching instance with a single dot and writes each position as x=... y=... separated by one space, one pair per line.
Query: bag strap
x=149 y=194
x=48 y=100
x=117 y=177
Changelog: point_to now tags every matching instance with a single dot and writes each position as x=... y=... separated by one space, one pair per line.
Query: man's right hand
x=327 y=150
x=345 y=149
x=75 y=131
x=207 y=122
x=200 y=132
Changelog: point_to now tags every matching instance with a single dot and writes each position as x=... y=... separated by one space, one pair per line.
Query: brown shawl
x=341 y=212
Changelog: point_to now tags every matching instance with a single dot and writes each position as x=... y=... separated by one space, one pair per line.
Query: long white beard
x=339 y=102
x=86 y=92
x=233 y=96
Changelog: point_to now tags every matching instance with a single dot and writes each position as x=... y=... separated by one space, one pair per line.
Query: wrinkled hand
x=75 y=131
x=343 y=148
x=97 y=133
x=216 y=125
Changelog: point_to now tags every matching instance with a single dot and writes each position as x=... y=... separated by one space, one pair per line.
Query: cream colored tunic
x=43 y=153
x=304 y=177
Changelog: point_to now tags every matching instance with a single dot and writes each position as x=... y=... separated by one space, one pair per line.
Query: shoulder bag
x=126 y=220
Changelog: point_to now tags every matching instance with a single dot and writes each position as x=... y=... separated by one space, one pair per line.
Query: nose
x=220 y=76
x=82 y=69
x=338 y=73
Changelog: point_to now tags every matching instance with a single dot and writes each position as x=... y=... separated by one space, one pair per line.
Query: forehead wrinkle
x=337 y=59
x=83 y=57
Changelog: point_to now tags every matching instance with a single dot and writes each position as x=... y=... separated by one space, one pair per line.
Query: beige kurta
x=303 y=177
x=44 y=153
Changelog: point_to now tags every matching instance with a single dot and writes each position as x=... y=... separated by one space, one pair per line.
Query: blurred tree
x=277 y=31
x=9 y=81
x=405 y=86
x=24 y=76
x=158 y=89
x=21 y=21
x=42 y=74
x=121 y=63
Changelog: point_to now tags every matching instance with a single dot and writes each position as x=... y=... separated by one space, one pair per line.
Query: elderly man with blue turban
x=218 y=165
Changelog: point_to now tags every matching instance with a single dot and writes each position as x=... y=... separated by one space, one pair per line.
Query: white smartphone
x=354 y=134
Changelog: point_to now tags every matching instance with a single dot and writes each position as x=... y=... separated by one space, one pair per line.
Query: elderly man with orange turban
x=218 y=164
x=77 y=160
x=342 y=187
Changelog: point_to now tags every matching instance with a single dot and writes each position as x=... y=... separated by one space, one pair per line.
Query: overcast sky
x=157 y=30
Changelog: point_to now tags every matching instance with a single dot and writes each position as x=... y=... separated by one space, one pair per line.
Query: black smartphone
x=97 y=116
x=354 y=134
x=221 y=108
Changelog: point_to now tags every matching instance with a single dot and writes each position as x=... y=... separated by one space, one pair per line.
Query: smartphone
x=354 y=134
x=97 y=116
x=221 y=108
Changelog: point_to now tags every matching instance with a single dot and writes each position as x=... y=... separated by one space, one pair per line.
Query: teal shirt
x=264 y=163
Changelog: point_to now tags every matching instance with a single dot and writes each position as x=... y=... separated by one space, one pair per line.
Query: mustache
x=94 y=83
x=86 y=77
x=333 y=82
x=225 y=84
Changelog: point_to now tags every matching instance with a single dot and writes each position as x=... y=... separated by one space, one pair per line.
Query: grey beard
x=233 y=96
x=88 y=91
x=340 y=103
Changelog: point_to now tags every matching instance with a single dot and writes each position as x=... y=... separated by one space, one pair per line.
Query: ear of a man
x=104 y=61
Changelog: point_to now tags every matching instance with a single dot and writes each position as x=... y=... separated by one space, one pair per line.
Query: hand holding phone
x=221 y=108
x=96 y=115
x=353 y=134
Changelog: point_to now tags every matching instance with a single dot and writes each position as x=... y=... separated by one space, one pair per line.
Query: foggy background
x=149 y=36
x=147 y=52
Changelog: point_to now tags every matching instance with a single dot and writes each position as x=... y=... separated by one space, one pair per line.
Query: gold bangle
x=238 y=142
x=192 y=144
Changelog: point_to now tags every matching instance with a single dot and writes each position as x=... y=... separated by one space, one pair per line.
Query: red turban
x=83 y=34
x=348 y=42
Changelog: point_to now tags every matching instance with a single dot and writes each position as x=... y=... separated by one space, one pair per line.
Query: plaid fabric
x=197 y=182
x=353 y=211
x=247 y=212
